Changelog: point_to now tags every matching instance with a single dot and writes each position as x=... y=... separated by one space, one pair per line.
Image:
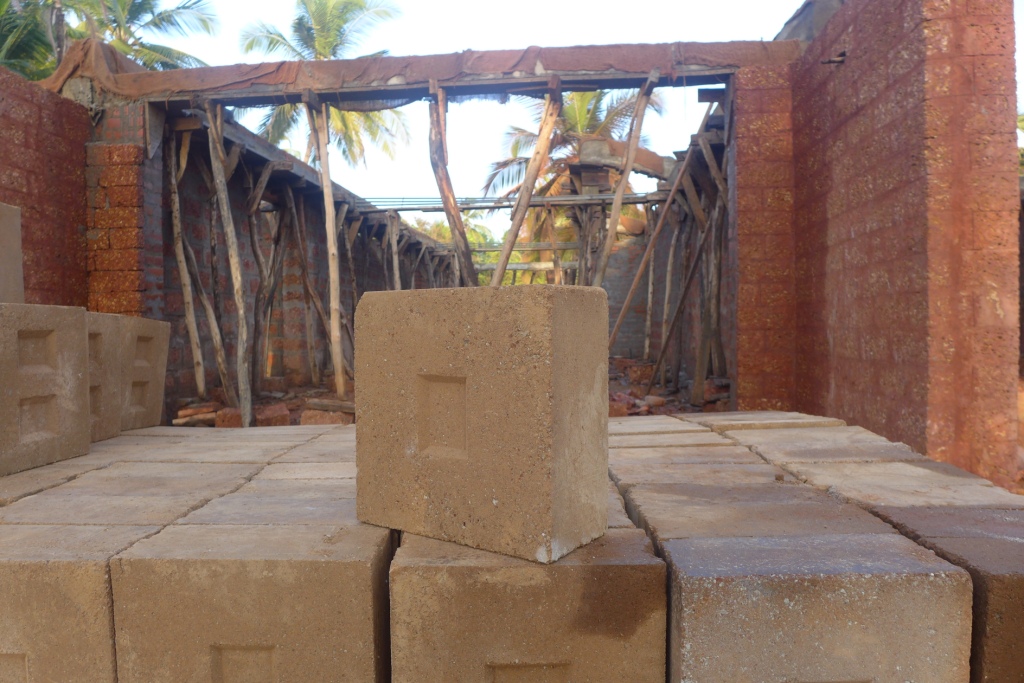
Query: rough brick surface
x=42 y=171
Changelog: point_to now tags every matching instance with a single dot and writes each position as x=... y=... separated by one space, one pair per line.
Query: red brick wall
x=906 y=252
x=758 y=274
x=42 y=171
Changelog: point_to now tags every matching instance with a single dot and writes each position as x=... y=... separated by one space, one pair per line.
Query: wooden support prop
x=416 y=266
x=642 y=100
x=649 y=251
x=680 y=306
x=709 y=157
x=668 y=291
x=318 y=125
x=650 y=299
x=554 y=247
x=183 y=275
x=396 y=270
x=219 y=161
x=539 y=159
x=439 y=162
x=261 y=185
x=350 y=242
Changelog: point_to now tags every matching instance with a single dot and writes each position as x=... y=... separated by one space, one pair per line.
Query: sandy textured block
x=684 y=455
x=460 y=614
x=44 y=387
x=17 y=486
x=617 y=517
x=781 y=441
x=667 y=514
x=258 y=604
x=325 y=501
x=667 y=439
x=57 y=611
x=769 y=419
x=631 y=474
x=816 y=608
x=105 y=356
x=133 y=494
x=880 y=452
x=651 y=424
x=483 y=416
x=12 y=280
x=144 y=347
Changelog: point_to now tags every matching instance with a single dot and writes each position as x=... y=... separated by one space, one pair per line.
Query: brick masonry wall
x=42 y=171
x=759 y=305
x=906 y=252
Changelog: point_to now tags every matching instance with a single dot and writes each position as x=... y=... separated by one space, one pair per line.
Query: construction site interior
x=758 y=424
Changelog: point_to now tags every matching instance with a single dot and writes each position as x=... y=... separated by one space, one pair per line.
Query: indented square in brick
x=44 y=392
x=241 y=664
x=441 y=416
x=482 y=416
x=13 y=668
x=528 y=673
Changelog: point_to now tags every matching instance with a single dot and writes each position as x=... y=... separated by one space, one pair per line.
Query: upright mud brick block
x=12 y=281
x=104 y=375
x=144 y=346
x=58 y=621
x=44 y=388
x=253 y=604
x=461 y=614
x=482 y=416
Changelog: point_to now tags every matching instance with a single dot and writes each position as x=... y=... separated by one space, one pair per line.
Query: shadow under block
x=596 y=615
x=144 y=347
x=253 y=604
x=816 y=608
x=57 y=614
x=105 y=356
x=482 y=416
x=12 y=279
x=44 y=388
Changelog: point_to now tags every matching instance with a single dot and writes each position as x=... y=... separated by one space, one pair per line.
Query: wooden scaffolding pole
x=176 y=173
x=642 y=100
x=320 y=130
x=220 y=164
x=439 y=162
x=552 y=110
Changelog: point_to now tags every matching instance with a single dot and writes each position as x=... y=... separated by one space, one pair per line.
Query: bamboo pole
x=627 y=168
x=649 y=251
x=219 y=164
x=179 y=255
x=318 y=126
x=439 y=163
x=552 y=110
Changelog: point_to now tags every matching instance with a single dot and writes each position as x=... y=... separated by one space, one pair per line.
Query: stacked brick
x=42 y=171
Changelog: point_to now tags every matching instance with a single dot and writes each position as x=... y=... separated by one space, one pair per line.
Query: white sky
x=475 y=129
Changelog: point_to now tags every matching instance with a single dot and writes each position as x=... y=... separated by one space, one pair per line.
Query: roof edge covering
x=384 y=82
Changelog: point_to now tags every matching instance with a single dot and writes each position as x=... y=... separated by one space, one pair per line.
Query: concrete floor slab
x=441 y=450
x=57 y=622
x=915 y=522
x=459 y=614
x=17 y=486
x=667 y=517
x=330 y=470
x=888 y=452
x=253 y=603
x=301 y=488
x=44 y=387
x=657 y=424
x=816 y=608
x=780 y=441
x=684 y=455
x=702 y=438
x=768 y=419
x=627 y=475
x=129 y=494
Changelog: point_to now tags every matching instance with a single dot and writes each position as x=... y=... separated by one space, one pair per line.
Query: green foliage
x=24 y=45
x=478 y=236
x=127 y=26
x=329 y=29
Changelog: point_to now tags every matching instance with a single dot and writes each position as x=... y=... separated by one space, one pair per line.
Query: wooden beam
x=642 y=100
x=552 y=110
x=533 y=266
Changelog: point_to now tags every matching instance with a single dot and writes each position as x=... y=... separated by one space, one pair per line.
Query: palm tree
x=127 y=25
x=329 y=29
x=603 y=113
x=24 y=46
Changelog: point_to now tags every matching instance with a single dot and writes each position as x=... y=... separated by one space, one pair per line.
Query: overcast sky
x=475 y=129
